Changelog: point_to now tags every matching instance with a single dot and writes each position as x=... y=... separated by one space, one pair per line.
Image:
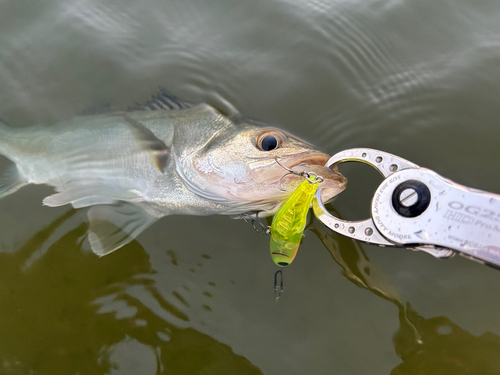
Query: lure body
x=289 y=223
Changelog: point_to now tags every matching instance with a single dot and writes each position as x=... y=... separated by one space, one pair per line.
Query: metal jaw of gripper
x=418 y=209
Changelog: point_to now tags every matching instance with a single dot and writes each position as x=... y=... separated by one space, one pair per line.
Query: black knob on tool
x=411 y=198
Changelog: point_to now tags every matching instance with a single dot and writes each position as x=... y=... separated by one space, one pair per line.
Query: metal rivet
x=393 y=168
x=351 y=230
x=408 y=197
x=368 y=231
x=363 y=154
x=336 y=226
x=379 y=159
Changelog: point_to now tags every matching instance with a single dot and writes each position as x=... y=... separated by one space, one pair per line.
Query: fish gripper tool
x=416 y=208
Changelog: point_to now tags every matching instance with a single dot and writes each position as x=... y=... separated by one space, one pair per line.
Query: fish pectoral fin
x=148 y=142
x=114 y=226
x=90 y=195
x=11 y=181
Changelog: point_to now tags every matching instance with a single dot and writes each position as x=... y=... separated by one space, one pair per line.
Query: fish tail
x=3 y=137
x=10 y=181
x=7 y=140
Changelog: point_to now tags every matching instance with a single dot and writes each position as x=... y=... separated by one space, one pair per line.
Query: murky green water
x=420 y=79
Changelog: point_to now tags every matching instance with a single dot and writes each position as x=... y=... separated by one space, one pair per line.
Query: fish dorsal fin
x=159 y=151
x=222 y=105
x=113 y=226
x=163 y=100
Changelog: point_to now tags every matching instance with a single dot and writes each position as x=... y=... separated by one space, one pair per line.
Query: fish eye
x=268 y=141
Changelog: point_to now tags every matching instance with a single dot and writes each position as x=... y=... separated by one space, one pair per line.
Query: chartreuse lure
x=289 y=222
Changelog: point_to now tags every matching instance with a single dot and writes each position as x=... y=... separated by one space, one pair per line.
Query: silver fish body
x=132 y=168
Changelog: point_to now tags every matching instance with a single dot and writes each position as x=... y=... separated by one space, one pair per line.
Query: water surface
x=192 y=295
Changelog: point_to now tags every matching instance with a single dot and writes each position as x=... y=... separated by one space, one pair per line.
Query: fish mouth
x=309 y=159
x=333 y=182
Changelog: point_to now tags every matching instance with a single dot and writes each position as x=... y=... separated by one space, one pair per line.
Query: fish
x=130 y=168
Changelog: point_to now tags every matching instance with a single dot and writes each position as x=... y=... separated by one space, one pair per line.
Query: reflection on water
x=446 y=348
x=426 y=346
x=70 y=312
x=67 y=311
x=418 y=79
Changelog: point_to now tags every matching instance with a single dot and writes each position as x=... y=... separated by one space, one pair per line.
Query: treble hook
x=264 y=229
x=307 y=175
